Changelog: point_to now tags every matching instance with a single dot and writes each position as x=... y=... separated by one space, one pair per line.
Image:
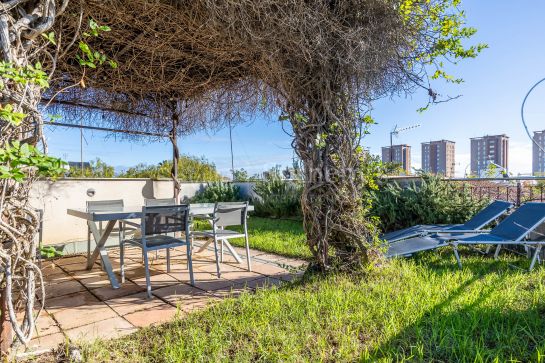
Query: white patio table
x=124 y=213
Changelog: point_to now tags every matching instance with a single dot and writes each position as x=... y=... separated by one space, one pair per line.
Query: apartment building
x=438 y=157
x=489 y=149
x=538 y=160
x=398 y=154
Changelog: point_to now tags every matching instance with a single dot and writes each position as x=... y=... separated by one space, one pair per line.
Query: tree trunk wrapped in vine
x=22 y=79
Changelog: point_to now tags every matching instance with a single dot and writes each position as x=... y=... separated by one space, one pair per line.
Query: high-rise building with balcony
x=538 y=160
x=398 y=154
x=489 y=150
x=438 y=157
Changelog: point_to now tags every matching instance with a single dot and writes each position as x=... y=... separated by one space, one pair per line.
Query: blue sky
x=495 y=84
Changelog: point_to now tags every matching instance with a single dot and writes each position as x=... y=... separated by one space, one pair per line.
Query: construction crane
x=395 y=132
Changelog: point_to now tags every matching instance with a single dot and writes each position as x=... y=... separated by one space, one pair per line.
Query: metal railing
x=517 y=190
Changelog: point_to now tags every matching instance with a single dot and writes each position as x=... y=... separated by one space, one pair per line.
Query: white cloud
x=520 y=158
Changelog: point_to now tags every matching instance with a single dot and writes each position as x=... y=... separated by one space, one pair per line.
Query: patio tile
x=182 y=274
x=198 y=304
x=268 y=269
x=240 y=276
x=57 y=277
x=157 y=281
x=104 y=329
x=182 y=293
x=138 y=272
x=174 y=266
x=211 y=268
x=65 y=261
x=70 y=301
x=46 y=342
x=74 y=317
x=129 y=304
x=233 y=290
x=45 y=325
x=156 y=315
x=49 y=268
x=107 y=292
x=97 y=281
x=213 y=284
x=80 y=267
x=85 y=274
x=54 y=289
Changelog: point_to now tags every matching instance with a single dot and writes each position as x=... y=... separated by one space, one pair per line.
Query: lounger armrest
x=457 y=231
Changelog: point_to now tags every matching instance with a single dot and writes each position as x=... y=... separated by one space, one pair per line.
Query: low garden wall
x=55 y=197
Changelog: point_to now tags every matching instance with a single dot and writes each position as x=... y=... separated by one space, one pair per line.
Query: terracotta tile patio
x=81 y=305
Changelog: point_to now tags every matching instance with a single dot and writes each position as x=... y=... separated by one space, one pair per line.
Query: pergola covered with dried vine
x=174 y=66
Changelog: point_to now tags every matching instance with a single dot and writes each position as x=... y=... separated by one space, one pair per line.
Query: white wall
x=55 y=197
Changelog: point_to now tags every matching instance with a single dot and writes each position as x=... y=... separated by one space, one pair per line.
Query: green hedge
x=430 y=200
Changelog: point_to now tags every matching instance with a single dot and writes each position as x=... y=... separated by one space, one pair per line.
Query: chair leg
x=217 y=259
x=497 y=253
x=122 y=261
x=221 y=251
x=190 y=264
x=248 y=252
x=168 y=260
x=534 y=259
x=88 y=243
x=146 y=266
x=457 y=255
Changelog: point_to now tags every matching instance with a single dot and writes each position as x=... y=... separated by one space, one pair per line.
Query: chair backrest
x=104 y=205
x=165 y=219
x=230 y=213
x=521 y=222
x=152 y=202
x=487 y=215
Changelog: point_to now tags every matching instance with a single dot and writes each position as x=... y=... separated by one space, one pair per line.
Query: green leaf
x=50 y=37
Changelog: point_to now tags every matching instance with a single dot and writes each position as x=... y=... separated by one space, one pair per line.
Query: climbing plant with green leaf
x=29 y=51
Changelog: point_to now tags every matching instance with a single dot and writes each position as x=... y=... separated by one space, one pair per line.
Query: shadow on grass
x=476 y=331
x=479 y=262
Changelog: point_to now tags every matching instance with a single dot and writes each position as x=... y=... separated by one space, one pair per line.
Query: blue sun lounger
x=513 y=230
x=486 y=216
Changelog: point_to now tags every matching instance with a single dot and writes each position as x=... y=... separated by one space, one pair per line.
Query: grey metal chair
x=156 y=222
x=480 y=220
x=101 y=206
x=227 y=215
x=154 y=202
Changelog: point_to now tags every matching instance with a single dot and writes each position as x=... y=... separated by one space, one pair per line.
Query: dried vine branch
x=320 y=63
x=22 y=80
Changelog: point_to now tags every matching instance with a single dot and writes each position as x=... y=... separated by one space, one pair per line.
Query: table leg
x=101 y=250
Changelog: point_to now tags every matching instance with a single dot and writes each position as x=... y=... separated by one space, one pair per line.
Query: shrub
x=277 y=198
x=96 y=169
x=431 y=200
x=218 y=192
x=190 y=168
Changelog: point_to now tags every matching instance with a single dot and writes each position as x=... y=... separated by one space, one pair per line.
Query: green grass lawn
x=420 y=309
x=281 y=236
